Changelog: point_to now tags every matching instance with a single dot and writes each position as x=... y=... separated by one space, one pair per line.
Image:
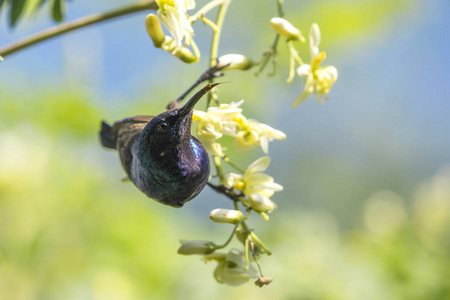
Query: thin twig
x=252 y=248
x=271 y=53
x=280 y=8
x=76 y=24
x=213 y=72
x=215 y=44
x=223 y=190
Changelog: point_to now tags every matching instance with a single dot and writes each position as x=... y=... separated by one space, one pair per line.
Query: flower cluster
x=250 y=188
x=318 y=80
x=227 y=119
x=256 y=186
x=173 y=14
x=232 y=267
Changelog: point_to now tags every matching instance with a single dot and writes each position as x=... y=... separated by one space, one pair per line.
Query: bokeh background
x=365 y=213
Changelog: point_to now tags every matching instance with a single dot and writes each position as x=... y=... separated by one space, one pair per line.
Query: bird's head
x=171 y=130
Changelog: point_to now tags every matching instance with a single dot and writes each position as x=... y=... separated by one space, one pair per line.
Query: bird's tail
x=106 y=136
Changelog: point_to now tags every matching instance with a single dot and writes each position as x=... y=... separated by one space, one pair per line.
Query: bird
x=159 y=155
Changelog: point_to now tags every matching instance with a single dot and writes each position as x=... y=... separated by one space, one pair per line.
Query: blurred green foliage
x=18 y=8
x=57 y=113
x=341 y=20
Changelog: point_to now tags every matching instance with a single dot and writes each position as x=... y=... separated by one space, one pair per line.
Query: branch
x=222 y=190
x=76 y=24
x=215 y=44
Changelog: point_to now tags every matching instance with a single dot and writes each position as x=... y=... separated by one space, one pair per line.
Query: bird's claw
x=212 y=72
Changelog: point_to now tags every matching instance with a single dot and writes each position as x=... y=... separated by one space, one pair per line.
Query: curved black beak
x=186 y=109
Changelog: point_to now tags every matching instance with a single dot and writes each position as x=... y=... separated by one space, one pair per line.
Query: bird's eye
x=162 y=126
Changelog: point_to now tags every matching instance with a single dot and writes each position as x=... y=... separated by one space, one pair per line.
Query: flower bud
x=222 y=215
x=285 y=28
x=196 y=247
x=229 y=181
x=169 y=44
x=185 y=55
x=261 y=204
x=234 y=62
x=154 y=30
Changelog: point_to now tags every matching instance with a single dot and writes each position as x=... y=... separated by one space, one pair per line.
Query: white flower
x=227 y=119
x=226 y=112
x=314 y=40
x=253 y=181
x=214 y=123
x=172 y=14
x=251 y=133
x=230 y=268
x=319 y=80
x=208 y=130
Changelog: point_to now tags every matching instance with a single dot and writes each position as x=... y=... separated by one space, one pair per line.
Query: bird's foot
x=211 y=73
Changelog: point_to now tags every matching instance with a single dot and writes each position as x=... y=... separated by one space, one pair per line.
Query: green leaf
x=58 y=10
x=19 y=8
x=16 y=11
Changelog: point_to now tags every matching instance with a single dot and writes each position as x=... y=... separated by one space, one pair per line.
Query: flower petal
x=271 y=186
x=272 y=133
x=231 y=270
x=230 y=179
x=302 y=97
x=259 y=165
x=264 y=141
x=304 y=70
x=256 y=178
x=189 y=4
x=331 y=72
x=314 y=41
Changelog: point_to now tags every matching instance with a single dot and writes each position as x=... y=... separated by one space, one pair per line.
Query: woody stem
x=76 y=24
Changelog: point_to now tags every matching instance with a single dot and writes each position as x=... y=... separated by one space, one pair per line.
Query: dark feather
x=106 y=137
x=122 y=135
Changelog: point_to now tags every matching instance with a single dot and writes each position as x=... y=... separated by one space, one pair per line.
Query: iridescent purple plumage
x=160 y=156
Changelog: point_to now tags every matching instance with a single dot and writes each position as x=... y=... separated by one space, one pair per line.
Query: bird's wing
x=124 y=133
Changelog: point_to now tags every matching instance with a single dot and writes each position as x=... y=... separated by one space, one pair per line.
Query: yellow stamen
x=239 y=185
x=315 y=65
x=319 y=58
x=241 y=122
x=162 y=3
